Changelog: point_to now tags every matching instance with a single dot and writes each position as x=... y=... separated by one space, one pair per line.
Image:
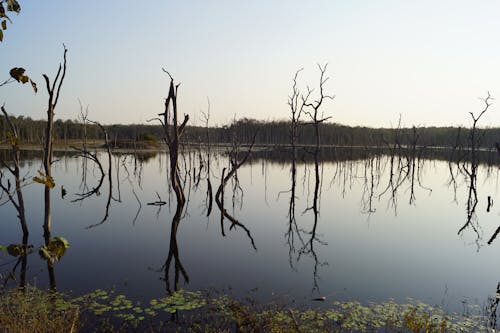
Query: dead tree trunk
x=15 y=171
x=53 y=90
x=173 y=132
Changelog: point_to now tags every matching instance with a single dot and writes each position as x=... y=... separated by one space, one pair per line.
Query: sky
x=429 y=61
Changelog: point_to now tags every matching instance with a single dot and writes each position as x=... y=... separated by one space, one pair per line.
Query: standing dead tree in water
x=315 y=106
x=45 y=177
x=15 y=171
x=173 y=132
x=474 y=140
x=312 y=109
x=54 y=91
x=15 y=196
x=316 y=119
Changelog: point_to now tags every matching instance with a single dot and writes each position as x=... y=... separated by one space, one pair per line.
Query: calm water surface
x=385 y=227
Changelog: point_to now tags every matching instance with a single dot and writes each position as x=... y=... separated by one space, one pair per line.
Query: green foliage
x=34 y=310
x=197 y=312
x=55 y=250
x=44 y=179
x=14 y=141
x=148 y=137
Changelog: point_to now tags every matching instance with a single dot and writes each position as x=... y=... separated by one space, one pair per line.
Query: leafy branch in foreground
x=12 y=6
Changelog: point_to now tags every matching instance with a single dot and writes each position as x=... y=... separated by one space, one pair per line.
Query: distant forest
x=266 y=132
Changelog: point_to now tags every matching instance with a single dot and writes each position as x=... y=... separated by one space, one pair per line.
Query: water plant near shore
x=32 y=309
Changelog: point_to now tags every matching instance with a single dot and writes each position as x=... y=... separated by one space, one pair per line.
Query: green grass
x=35 y=310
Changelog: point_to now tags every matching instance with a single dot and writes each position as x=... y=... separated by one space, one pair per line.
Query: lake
x=377 y=226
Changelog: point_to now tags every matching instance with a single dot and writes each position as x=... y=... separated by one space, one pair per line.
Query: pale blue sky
x=426 y=60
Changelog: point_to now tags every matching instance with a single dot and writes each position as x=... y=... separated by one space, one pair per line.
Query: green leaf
x=4 y=25
x=14 y=141
x=45 y=180
x=3 y=248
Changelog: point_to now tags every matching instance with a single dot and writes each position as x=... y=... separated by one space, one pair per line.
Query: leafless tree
x=15 y=195
x=470 y=168
x=173 y=132
x=53 y=91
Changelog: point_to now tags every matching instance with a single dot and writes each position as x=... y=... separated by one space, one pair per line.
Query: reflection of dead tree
x=18 y=201
x=471 y=220
x=138 y=209
x=209 y=195
x=110 y=178
x=368 y=188
x=457 y=149
x=158 y=202
x=219 y=196
x=117 y=172
x=83 y=117
x=85 y=154
x=413 y=164
x=173 y=253
x=127 y=178
x=293 y=228
x=308 y=247
x=491 y=309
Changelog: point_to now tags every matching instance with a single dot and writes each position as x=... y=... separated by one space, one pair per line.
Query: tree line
x=243 y=130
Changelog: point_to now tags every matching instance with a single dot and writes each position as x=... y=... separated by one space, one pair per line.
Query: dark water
x=384 y=227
